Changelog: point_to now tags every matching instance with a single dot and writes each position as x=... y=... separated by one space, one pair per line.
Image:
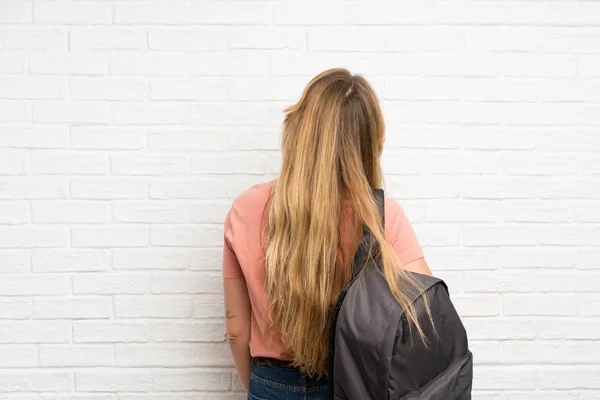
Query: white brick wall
x=127 y=127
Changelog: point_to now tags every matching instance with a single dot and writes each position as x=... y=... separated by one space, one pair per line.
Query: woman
x=289 y=243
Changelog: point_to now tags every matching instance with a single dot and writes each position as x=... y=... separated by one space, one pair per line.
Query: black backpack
x=372 y=353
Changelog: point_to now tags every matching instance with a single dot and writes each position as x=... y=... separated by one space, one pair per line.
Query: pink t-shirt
x=243 y=255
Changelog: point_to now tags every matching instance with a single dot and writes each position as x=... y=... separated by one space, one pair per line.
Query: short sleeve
x=400 y=234
x=231 y=265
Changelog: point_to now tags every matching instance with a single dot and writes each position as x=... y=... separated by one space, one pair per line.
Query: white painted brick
x=422 y=88
x=488 y=352
x=246 y=140
x=267 y=38
x=538 y=165
x=499 y=90
x=538 y=65
x=467 y=211
x=150 y=113
x=570 y=378
x=32 y=236
x=198 y=89
x=187 y=39
x=65 y=260
x=576 y=188
x=107 y=89
x=538 y=212
x=505 y=377
x=494 y=188
x=66 y=12
x=311 y=13
x=18 y=309
x=152 y=307
x=469 y=305
x=131 y=138
x=503 y=282
x=151 y=212
x=34 y=137
x=110 y=332
x=589 y=305
x=195 y=355
x=588 y=90
x=70 y=212
x=437 y=235
x=209 y=212
x=569 y=328
x=75 y=356
x=169 y=259
x=541 y=114
x=15 y=261
x=188 y=332
x=456 y=64
x=109 y=236
x=589 y=66
x=26 y=87
x=187 y=235
x=550 y=352
x=160 y=64
x=114 y=380
x=346 y=39
x=495 y=138
x=31 y=188
x=570 y=235
x=111 y=284
x=423 y=188
x=147 y=164
x=499 y=328
x=191 y=379
x=187 y=139
x=71 y=111
x=463 y=259
x=577 y=139
x=265 y=88
x=33 y=38
x=230 y=63
x=568 y=281
x=501 y=235
x=108 y=188
x=35 y=332
x=18 y=356
x=411 y=13
x=186 y=283
x=191 y=396
x=77 y=396
x=534 y=304
x=13 y=111
x=16 y=13
x=13 y=63
x=36 y=381
x=106 y=38
x=230 y=163
x=590 y=165
x=230 y=113
x=209 y=306
x=12 y=212
x=72 y=308
x=67 y=63
x=540 y=257
x=13 y=162
x=587 y=258
x=65 y=163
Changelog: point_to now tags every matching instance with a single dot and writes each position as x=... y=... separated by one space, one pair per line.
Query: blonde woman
x=289 y=243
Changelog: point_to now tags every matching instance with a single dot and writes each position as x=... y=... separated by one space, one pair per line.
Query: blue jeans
x=271 y=383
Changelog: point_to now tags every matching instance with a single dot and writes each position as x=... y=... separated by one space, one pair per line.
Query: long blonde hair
x=331 y=144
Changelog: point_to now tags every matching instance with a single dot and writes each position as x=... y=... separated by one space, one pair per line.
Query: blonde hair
x=331 y=144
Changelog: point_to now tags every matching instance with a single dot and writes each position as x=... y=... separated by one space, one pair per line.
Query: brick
x=423 y=188
x=569 y=328
x=13 y=111
x=422 y=88
x=342 y=38
x=589 y=304
x=575 y=188
x=110 y=284
x=35 y=332
x=198 y=354
x=150 y=113
x=570 y=235
x=89 y=38
x=71 y=111
x=590 y=165
x=499 y=90
x=16 y=309
x=63 y=163
x=65 y=12
x=75 y=63
x=493 y=188
x=202 y=89
x=109 y=236
x=186 y=283
x=114 y=380
x=230 y=162
x=261 y=38
x=538 y=212
x=18 y=356
x=15 y=261
x=503 y=282
x=190 y=379
x=147 y=164
x=158 y=64
x=570 y=378
x=33 y=38
x=187 y=39
x=209 y=212
x=538 y=257
x=499 y=328
x=230 y=113
x=17 y=13
x=252 y=141
x=160 y=259
x=108 y=188
x=34 y=137
x=32 y=87
x=152 y=307
x=545 y=165
x=534 y=304
x=538 y=65
x=311 y=14
x=208 y=306
x=69 y=260
x=464 y=259
x=185 y=139
x=469 y=305
x=265 y=88
x=13 y=162
x=110 y=332
x=500 y=376
x=76 y=396
x=568 y=281
x=230 y=63
x=12 y=212
x=488 y=352
x=36 y=381
x=107 y=89
x=504 y=235
x=13 y=63
x=411 y=13
x=497 y=138
x=188 y=235
x=73 y=308
x=33 y=236
x=108 y=138
x=587 y=258
x=188 y=332
x=75 y=356
x=541 y=114
x=151 y=212
x=70 y=212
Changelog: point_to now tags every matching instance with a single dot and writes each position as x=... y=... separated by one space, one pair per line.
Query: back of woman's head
x=332 y=141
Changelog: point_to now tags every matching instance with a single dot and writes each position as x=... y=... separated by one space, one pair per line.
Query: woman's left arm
x=237 y=314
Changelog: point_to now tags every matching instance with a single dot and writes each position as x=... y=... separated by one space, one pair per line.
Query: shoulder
x=251 y=202
x=393 y=210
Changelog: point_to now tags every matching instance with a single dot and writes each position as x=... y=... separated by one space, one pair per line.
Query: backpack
x=372 y=353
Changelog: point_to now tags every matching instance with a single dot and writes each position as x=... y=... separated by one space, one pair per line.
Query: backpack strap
x=368 y=241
